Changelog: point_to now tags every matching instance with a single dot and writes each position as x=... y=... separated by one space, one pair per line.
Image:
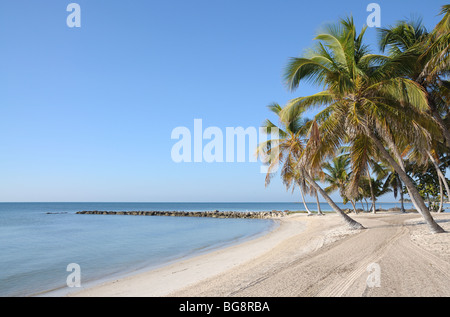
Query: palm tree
x=437 y=50
x=337 y=176
x=364 y=191
x=314 y=193
x=289 y=151
x=365 y=102
x=391 y=180
x=292 y=177
x=319 y=209
x=370 y=188
x=443 y=27
x=424 y=160
x=428 y=61
x=289 y=138
x=429 y=177
x=442 y=179
x=415 y=47
x=378 y=191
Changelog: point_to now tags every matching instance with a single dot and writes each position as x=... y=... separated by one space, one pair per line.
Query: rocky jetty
x=209 y=214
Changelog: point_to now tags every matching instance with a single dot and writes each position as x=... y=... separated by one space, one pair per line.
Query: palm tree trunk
x=441 y=191
x=423 y=210
x=349 y=221
x=399 y=158
x=402 y=198
x=304 y=202
x=354 y=206
x=367 y=204
x=319 y=210
x=371 y=192
x=439 y=172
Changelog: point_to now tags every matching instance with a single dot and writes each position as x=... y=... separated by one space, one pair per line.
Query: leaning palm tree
x=428 y=61
x=292 y=178
x=429 y=164
x=430 y=158
x=365 y=102
x=289 y=138
x=289 y=152
x=315 y=193
x=364 y=192
x=319 y=208
x=337 y=177
x=434 y=159
x=391 y=180
x=421 y=61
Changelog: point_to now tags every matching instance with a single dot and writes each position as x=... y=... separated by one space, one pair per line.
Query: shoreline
x=165 y=280
x=176 y=275
x=280 y=262
x=64 y=291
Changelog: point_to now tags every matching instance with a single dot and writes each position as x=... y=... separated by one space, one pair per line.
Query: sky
x=87 y=113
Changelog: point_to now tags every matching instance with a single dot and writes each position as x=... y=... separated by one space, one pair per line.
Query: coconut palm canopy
x=296 y=135
x=381 y=107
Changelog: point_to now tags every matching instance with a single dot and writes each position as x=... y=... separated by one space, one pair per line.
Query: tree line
x=382 y=121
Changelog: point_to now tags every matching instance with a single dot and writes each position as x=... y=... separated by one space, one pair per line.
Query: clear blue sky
x=87 y=113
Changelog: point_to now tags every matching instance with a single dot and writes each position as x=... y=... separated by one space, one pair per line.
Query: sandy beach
x=308 y=256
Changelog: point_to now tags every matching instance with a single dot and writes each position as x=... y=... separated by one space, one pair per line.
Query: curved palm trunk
x=354 y=206
x=367 y=204
x=349 y=221
x=399 y=158
x=371 y=192
x=402 y=200
x=441 y=191
x=362 y=205
x=304 y=202
x=439 y=172
x=422 y=207
x=319 y=210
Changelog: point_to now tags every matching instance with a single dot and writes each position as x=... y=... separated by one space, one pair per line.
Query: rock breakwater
x=210 y=214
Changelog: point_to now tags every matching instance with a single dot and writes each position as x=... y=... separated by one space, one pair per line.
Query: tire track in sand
x=340 y=268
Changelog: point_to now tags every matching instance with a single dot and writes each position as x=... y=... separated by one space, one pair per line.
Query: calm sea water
x=36 y=247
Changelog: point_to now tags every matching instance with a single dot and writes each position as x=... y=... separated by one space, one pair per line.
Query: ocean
x=38 y=241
